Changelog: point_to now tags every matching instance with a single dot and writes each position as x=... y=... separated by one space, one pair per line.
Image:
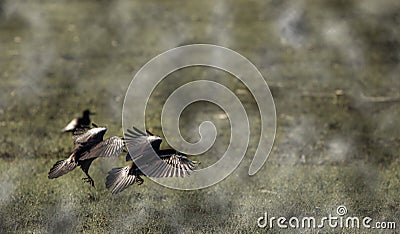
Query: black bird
x=78 y=123
x=172 y=163
x=88 y=145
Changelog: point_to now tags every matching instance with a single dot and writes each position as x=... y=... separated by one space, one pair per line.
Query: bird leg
x=85 y=164
x=89 y=180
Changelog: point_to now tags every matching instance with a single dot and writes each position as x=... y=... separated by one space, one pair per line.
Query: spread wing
x=121 y=178
x=171 y=165
x=110 y=147
x=140 y=144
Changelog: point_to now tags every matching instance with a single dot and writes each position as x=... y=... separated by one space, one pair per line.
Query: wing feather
x=173 y=165
x=121 y=178
x=110 y=147
x=140 y=144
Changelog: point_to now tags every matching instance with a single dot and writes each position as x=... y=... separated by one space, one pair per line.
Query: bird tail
x=119 y=179
x=62 y=167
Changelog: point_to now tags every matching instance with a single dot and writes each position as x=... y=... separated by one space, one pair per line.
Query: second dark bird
x=143 y=147
x=79 y=122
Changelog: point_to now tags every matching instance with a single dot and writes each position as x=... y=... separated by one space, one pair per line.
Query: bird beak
x=92 y=113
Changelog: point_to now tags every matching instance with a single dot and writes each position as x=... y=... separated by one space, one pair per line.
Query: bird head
x=87 y=112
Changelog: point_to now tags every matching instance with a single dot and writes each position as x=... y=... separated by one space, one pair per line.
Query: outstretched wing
x=121 y=178
x=170 y=165
x=110 y=147
x=140 y=144
x=62 y=167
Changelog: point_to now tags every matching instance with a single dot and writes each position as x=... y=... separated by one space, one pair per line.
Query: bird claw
x=89 y=180
x=139 y=180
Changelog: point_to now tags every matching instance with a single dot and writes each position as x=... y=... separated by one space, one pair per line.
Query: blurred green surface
x=332 y=66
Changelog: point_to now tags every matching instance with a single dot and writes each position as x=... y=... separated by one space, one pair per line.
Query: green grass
x=32 y=203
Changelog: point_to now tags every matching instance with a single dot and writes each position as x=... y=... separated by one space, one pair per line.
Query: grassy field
x=332 y=68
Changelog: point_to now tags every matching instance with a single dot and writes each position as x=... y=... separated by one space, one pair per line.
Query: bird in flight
x=88 y=145
x=78 y=123
x=154 y=162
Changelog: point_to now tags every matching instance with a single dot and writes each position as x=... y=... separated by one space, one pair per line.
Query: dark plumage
x=142 y=146
x=88 y=145
x=79 y=123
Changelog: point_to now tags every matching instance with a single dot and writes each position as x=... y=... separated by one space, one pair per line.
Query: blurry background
x=333 y=69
